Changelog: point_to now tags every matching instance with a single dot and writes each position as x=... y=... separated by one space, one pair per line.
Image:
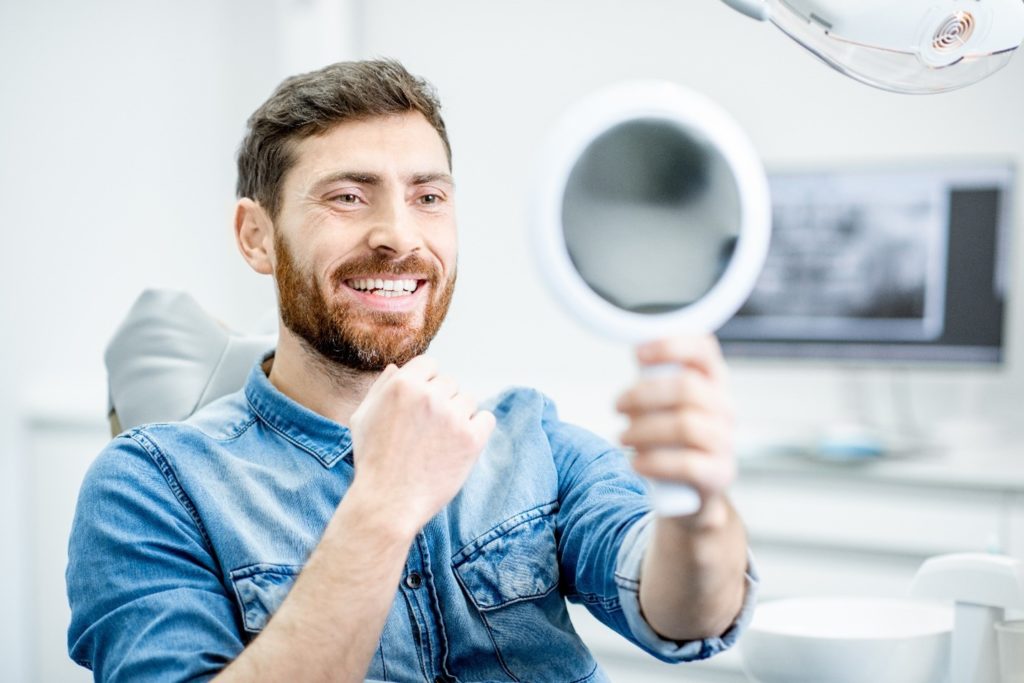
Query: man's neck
x=314 y=382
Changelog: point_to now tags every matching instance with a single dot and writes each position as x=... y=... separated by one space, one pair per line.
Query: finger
x=383 y=377
x=677 y=390
x=708 y=474
x=698 y=351
x=464 y=405
x=423 y=368
x=679 y=429
x=443 y=386
x=482 y=423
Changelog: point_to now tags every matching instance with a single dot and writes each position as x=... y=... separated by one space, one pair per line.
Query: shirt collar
x=326 y=440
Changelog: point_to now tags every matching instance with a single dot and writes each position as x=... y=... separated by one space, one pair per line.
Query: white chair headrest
x=170 y=357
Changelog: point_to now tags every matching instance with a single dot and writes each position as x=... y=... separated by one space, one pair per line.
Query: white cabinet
x=59 y=450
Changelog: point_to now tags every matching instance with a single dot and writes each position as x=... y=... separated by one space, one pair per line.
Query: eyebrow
x=425 y=178
x=373 y=179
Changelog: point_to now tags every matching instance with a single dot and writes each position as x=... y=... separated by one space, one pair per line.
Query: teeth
x=383 y=287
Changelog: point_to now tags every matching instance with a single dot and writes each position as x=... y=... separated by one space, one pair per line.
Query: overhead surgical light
x=906 y=46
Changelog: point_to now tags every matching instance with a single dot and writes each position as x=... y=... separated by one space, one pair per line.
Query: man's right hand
x=415 y=439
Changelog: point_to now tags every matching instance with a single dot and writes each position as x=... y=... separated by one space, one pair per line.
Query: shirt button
x=414 y=580
x=440 y=679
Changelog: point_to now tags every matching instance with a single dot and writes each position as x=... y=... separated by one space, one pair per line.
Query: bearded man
x=350 y=513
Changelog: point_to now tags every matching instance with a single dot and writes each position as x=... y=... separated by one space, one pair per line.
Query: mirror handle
x=669 y=498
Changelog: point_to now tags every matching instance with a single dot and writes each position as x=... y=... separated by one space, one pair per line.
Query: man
x=351 y=513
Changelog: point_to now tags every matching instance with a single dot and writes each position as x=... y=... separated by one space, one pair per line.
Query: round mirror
x=654 y=213
x=653 y=221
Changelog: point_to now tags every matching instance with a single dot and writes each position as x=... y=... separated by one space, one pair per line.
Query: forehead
x=399 y=143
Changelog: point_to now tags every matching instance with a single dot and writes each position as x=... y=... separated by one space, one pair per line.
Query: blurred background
x=119 y=123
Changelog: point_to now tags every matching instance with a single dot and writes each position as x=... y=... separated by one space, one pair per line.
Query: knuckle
x=683 y=426
x=402 y=385
x=441 y=406
x=687 y=469
x=467 y=441
x=683 y=386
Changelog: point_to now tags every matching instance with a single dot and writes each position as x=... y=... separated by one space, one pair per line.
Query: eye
x=430 y=199
x=347 y=198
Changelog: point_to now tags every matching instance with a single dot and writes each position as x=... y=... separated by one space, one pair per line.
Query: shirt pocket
x=510 y=574
x=260 y=589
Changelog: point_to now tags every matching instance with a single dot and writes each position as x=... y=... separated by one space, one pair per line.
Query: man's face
x=365 y=241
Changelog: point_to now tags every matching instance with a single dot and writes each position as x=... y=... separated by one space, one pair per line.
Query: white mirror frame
x=663 y=101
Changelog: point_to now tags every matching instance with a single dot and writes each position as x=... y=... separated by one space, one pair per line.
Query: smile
x=384 y=287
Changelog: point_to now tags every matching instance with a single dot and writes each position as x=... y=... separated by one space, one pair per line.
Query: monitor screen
x=886 y=264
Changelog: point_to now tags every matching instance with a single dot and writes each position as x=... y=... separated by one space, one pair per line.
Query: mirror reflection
x=651 y=216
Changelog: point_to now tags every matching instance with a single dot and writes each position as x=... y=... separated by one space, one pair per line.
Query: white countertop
x=993 y=468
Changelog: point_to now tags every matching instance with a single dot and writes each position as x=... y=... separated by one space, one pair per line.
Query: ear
x=254 y=235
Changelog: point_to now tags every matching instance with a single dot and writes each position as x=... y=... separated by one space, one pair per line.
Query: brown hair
x=310 y=104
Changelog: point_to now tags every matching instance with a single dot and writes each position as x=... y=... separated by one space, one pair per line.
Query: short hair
x=310 y=104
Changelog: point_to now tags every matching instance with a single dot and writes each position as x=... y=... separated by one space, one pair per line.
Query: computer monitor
x=906 y=264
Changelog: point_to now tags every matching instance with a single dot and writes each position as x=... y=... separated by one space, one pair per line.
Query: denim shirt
x=188 y=536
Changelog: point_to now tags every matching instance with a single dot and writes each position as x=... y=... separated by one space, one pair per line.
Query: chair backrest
x=170 y=357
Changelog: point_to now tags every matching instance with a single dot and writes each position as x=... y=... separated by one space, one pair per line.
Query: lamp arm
x=755 y=9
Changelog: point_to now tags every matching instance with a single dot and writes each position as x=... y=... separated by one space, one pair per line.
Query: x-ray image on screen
x=903 y=264
x=853 y=256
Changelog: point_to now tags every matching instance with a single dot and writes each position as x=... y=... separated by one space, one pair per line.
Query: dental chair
x=170 y=357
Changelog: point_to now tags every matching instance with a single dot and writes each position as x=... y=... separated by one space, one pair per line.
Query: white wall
x=119 y=122
x=118 y=126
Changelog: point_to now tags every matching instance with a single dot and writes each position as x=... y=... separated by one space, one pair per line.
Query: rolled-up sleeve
x=147 y=601
x=604 y=525
x=627 y=578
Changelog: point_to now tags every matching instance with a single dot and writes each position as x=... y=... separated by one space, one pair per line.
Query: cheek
x=446 y=248
x=330 y=251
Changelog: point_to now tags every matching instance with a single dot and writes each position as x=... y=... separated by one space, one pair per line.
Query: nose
x=395 y=229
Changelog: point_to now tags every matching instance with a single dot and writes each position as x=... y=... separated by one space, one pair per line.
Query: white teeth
x=381 y=286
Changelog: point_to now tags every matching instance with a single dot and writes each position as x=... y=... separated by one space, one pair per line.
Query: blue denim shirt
x=188 y=536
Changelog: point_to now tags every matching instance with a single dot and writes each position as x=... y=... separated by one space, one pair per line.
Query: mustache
x=377 y=263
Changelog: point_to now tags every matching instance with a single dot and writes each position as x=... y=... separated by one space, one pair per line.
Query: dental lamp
x=905 y=46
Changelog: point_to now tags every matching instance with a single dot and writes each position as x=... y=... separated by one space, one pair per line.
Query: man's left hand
x=681 y=423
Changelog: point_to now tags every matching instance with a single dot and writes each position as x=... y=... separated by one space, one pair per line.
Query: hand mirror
x=653 y=221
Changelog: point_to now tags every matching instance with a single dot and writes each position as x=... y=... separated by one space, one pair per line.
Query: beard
x=345 y=334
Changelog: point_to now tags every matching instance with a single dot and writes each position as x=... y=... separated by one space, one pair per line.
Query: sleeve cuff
x=627 y=579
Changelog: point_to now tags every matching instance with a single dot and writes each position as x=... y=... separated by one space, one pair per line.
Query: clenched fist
x=415 y=439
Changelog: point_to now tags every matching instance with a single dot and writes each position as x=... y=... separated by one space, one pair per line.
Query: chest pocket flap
x=260 y=590
x=517 y=560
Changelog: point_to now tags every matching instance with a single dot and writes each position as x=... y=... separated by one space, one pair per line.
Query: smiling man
x=350 y=513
